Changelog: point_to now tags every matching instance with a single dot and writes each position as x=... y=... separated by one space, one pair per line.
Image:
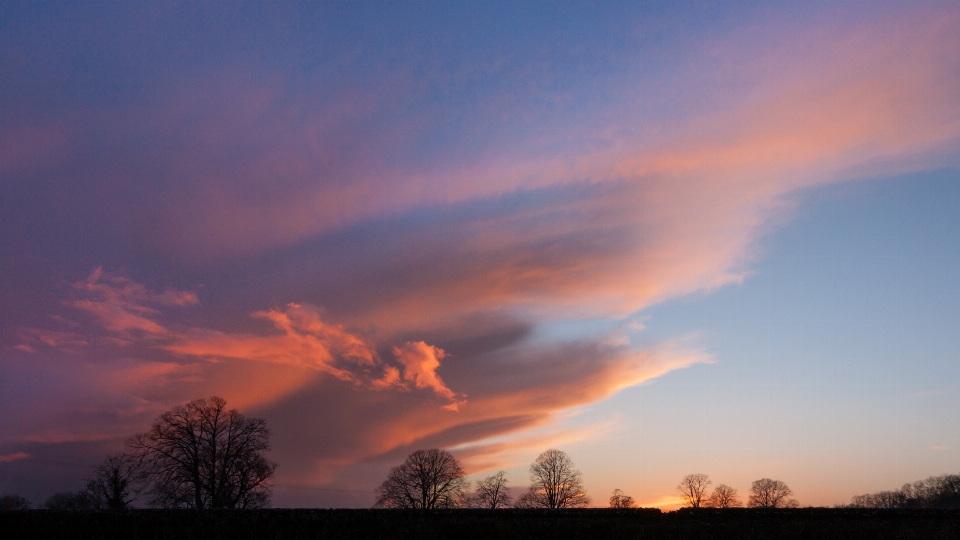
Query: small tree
x=13 y=502
x=492 y=492
x=201 y=455
x=693 y=488
x=70 y=501
x=619 y=500
x=767 y=493
x=427 y=479
x=554 y=483
x=112 y=485
x=724 y=496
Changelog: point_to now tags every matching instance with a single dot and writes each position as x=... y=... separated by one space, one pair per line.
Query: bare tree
x=13 y=502
x=693 y=488
x=554 y=483
x=70 y=501
x=427 y=479
x=767 y=493
x=724 y=496
x=619 y=500
x=113 y=484
x=492 y=492
x=201 y=455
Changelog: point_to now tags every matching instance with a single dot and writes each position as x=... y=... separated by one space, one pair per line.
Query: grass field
x=483 y=524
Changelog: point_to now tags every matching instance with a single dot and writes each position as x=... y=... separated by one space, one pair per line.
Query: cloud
x=420 y=362
x=517 y=396
x=16 y=456
x=125 y=306
x=550 y=225
x=305 y=341
x=378 y=404
x=791 y=117
x=31 y=338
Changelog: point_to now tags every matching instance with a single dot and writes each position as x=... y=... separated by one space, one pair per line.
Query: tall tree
x=767 y=493
x=202 y=455
x=492 y=492
x=554 y=483
x=113 y=484
x=693 y=488
x=427 y=479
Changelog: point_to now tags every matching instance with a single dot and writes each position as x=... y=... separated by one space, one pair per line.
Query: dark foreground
x=485 y=524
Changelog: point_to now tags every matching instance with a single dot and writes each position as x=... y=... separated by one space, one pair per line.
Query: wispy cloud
x=125 y=306
x=16 y=456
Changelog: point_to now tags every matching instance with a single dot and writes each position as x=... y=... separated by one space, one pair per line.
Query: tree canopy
x=202 y=455
x=554 y=483
x=427 y=479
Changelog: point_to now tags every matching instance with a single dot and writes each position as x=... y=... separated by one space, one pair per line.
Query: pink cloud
x=655 y=215
x=123 y=305
x=16 y=456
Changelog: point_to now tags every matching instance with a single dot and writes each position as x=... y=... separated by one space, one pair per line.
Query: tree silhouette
x=693 y=488
x=723 y=496
x=113 y=484
x=70 y=501
x=767 y=493
x=13 y=502
x=492 y=492
x=201 y=455
x=934 y=492
x=427 y=479
x=554 y=483
x=619 y=500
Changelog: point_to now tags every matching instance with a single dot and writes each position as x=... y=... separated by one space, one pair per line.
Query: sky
x=664 y=237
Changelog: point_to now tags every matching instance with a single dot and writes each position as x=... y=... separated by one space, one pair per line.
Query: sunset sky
x=664 y=237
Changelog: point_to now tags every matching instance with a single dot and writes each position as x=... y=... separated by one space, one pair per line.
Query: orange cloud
x=305 y=341
x=420 y=362
x=515 y=399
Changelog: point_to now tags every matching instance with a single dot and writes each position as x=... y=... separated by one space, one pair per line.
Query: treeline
x=433 y=479
x=934 y=492
x=764 y=493
x=202 y=455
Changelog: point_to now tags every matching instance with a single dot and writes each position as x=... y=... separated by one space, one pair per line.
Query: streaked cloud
x=16 y=456
x=124 y=306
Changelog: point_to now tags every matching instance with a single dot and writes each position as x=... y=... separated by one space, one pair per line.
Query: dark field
x=485 y=524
